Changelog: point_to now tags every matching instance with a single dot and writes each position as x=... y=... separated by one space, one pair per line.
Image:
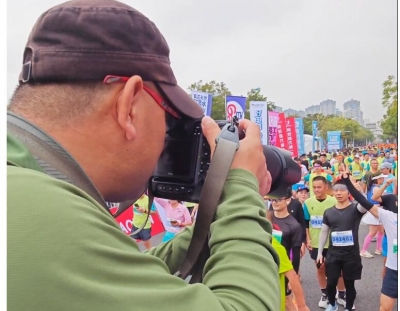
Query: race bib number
x=356 y=173
x=395 y=246
x=342 y=238
x=316 y=222
x=277 y=235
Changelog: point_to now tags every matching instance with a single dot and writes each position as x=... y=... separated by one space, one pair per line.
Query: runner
x=356 y=169
x=341 y=222
x=388 y=216
x=386 y=170
x=317 y=171
x=314 y=208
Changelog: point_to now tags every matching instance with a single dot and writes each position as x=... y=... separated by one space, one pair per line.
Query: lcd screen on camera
x=177 y=159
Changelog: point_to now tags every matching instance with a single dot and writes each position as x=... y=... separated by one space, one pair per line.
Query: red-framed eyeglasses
x=158 y=99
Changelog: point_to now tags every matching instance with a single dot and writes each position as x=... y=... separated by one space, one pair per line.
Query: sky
x=298 y=53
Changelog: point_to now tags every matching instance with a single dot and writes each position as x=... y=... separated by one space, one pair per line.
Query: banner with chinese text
x=259 y=115
x=273 y=118
x=300 y=135
x=204 y=100
x=291 y=137
x=281 y=140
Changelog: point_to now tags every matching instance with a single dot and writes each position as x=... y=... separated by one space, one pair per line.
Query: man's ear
x=126 y=100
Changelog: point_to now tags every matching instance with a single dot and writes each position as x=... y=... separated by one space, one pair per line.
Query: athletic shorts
x=143 y=235
x=349 y=268
x=389 y=284
x=384 y=246
x=314 y=253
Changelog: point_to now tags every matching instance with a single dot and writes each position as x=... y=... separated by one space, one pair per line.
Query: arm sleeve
x=241 y=206
x=358 y=195
x=323 y=236
x=296 y=258
x=106 y=270
x=307 y=177
x=306 y=215
x=329 y=178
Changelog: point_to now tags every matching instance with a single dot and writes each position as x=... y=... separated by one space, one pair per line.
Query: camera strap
x=54 y=160
x=198 y=252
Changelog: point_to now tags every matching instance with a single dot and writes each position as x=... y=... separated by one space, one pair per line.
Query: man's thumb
x=210 y=130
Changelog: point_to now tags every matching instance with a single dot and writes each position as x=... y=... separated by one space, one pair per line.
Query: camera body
x=182 y=167
x=183 y=164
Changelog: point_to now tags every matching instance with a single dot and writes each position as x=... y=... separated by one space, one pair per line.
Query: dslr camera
x=182 y=167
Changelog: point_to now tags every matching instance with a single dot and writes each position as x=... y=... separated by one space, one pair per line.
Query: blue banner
x=235 y=106
x=204 y=100
x=300 y=135
x=314 y=134
x=333 y=140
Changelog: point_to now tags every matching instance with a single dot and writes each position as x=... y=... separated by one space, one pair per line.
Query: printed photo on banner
x=235 y=106
x=259 y=115
x=204 y=100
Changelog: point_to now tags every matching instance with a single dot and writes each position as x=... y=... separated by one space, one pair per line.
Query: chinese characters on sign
x=259 y=115
x=204 y=100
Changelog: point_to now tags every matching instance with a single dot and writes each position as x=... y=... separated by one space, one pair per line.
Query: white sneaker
x=366 y=254
x=341 y=301
x=323 y=302
x=332 y=308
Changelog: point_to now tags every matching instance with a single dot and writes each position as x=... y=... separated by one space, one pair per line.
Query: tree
x=218 y=91
x=255 y=95
x=389 y=101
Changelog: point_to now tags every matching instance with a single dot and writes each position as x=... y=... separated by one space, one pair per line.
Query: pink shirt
x=180 y=213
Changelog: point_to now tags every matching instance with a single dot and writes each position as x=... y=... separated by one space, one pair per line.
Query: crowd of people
x=87 y=124
x=322 y=214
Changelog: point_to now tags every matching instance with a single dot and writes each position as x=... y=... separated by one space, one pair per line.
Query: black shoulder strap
x=198 y=251
x=54 y=160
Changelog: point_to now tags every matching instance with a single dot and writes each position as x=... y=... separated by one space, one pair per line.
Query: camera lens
x=284 y=171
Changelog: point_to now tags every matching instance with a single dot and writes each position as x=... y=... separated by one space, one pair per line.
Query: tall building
x=352 y=110
x=278 y=109
x=314 y=109
x=375 y=129
x=293 y=112
x=328 y=107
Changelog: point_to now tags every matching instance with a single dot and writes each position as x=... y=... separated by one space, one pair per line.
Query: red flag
x=281 y=139
x=291 y=136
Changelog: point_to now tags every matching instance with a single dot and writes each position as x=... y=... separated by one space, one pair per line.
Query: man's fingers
x=250 y=128
x=211 y=131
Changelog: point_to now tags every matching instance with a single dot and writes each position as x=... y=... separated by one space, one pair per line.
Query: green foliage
x=350 y=129
x=389 y=101
x=219 y=90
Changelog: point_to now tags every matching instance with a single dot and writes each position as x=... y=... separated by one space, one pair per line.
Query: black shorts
x=143 y=235
x=349 y=268
x=389 y=284
x=314 y=253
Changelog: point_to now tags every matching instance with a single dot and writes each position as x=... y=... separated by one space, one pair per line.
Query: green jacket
x=66 y=252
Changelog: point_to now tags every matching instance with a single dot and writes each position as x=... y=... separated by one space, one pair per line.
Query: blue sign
x=204 y=100
x=314 y=134
x=333 y=140
x=235 y=107
x=300 y=135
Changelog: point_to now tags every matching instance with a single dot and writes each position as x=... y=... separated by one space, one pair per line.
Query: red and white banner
x=281 y=139
x=291 y=136
x=125 y=222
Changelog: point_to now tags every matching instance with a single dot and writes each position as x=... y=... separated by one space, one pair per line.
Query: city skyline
x=296 y=52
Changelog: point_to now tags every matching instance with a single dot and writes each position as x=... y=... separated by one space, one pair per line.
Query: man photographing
x=97 y=84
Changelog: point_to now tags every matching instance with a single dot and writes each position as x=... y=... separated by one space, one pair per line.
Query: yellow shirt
x=285 y=265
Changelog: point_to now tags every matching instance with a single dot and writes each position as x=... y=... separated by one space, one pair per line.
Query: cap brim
x=180 y=100
x=380 y=176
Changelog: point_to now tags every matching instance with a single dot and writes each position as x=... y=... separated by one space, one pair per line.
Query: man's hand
x=302 y=250
x=249 y=156
x=308 y=244
x=320 y=260
x=389 y=181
